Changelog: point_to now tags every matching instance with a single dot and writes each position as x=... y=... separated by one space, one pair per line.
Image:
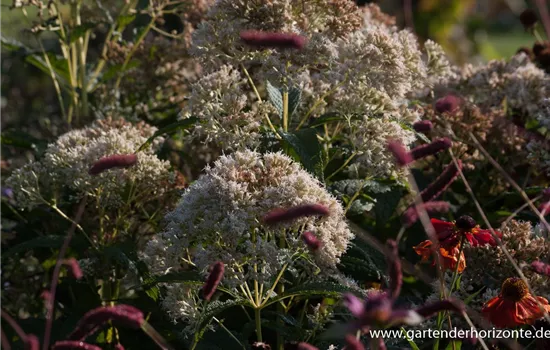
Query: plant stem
x=258 y=321
x=285 y=111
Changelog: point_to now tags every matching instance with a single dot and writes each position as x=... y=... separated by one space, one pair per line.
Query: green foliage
x=305 y=148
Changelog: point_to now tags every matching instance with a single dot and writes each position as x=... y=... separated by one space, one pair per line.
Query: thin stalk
x=258 y=320
x=268 y=294
x=285 y=111
x=229 y=332
x=350 y=158
x=133 y=50
x=50 y=303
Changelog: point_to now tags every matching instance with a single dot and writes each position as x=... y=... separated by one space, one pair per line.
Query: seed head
x=465 y=222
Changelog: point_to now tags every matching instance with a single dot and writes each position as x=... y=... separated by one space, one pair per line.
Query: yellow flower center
x=514 y=289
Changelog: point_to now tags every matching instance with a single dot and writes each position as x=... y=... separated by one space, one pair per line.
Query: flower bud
x=273 y=40
x=432 y=148
x=528 y=19
x=423 y=126
x=402 y=157
x=214 y=279
x=447 y=104
x=283 y=215
x=114 y=161
x=440 y=184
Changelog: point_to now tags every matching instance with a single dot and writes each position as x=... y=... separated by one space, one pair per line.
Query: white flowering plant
x=272 y=174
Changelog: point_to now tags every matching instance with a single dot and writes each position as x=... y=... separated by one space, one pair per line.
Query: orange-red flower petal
x=449 y=255
x=505 y=313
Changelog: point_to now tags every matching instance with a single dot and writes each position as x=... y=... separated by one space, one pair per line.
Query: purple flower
x=378 y=309
x=125 y=315
x=311 y=240
x=440 y=184
x=7 y=192
x=423 y=126
x=74 y=268
x=432 y=148
x=447 y=104
x=283 y=215
x=410 y=216
x=114 y=161
x=74 y=345
x=273 y=40
x=352 y=343
x=402 y=156
x=541 y=268
x=214 y=279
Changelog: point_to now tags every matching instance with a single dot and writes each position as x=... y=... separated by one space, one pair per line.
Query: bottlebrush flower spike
x=282 y=215
x=126 y=315
x=32 y=342
x=411 y=215
x=431 y=148
x=115 y=161
x=440 y=184
x=402 y=156
x=311 y=240
x=423 y=126
x=273 y=40
x=352 y=343
x=447 y=104
x=73 y=345
x=441 y=305
x=214 y=279
x=395 y=273
x=74 y=267
x=541 y=268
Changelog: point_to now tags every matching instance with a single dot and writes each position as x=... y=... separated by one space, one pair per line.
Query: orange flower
x=514 y=305
x=448 y=252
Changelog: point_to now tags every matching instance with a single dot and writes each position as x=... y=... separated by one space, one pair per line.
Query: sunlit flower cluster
x=220 y=218
x=62 y=174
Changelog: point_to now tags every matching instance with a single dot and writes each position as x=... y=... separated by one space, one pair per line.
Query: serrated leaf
x=312 y=289
x=275 y=97
x=294 y=97
x=307 y=149
x=39 y=242
x=169 y=129
x=386 y=203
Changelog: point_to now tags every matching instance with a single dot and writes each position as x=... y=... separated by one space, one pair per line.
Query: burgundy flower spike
x=284 y=215
x=214 y=279
x=110 y=162
x=273 y=40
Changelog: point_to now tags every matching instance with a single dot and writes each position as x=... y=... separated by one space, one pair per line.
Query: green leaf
x=411 y=342
x=294 y=97
x=307 y=150
x=312 y=289
x=79 y=31
x=386 y=203
x=275 y=97
x=123 y=21
x=116 y=69
x=16 y=141
x=174 y=277
x=38 y=242
x=59 y=64
x=327 y=118
x=454 y=345
x=169 y=129
x=216 y=307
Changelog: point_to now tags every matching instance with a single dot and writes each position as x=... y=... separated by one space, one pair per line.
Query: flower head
x=541 y=268
x=447 y=104
x=450 y=254
x=214 y=279
x=114 y=161
x=514 y=305
x=423 y=126
x=464 y=225
x=528 y=18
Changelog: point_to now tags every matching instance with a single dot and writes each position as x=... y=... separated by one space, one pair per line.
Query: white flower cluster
x=356 y=63
x=370 y=139
x=219 y=218
x=62 y=174
x=227 y=115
